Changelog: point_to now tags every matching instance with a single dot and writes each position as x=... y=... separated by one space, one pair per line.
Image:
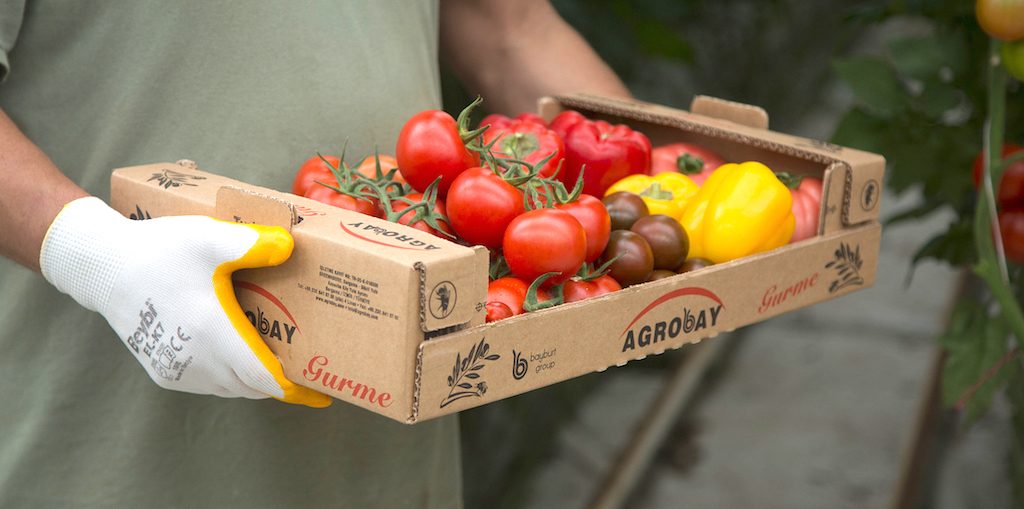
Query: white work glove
x=164 y=286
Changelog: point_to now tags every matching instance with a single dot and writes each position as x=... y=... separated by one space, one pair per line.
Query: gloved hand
x=164 y=285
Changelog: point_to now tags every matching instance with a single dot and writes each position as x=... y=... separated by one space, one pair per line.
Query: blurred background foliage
x=902 y=78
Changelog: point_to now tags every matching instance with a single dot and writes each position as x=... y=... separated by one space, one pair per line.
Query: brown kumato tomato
x=635 y=260
x=624 y=209
x=668 y=240
x=694 y=264
x=660 y=274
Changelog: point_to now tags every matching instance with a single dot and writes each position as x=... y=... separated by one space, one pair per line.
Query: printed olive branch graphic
x=466 y=369
x=848 y=263
x=170 y=178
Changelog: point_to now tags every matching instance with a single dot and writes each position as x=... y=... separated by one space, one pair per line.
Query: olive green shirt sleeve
x=11 y=12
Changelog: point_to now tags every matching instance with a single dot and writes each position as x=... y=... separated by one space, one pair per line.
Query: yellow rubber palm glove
x=164 y=286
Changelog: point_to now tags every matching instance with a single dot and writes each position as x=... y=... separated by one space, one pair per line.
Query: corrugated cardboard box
x=392 y=319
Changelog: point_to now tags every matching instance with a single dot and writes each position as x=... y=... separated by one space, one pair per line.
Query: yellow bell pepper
x=664 y=193
x=740 y=210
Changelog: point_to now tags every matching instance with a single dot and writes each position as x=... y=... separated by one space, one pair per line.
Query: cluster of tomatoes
x=1009 y=199
x=528 y=191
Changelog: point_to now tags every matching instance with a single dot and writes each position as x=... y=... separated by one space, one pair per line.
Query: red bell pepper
x=691 y=160
x=608 y=152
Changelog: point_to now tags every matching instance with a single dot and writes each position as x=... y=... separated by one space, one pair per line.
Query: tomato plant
x=1001 y=19
x=669 y=242
x=631 y=257
x=596 y=222
x=1011 y=185
x=481 y=204
x=579 y=289
x=315 y=169
x=690 y=159
x=1012 y=56
x=432 y=145
x=542 y=241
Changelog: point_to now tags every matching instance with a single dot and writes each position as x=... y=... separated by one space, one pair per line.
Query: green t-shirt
x=249 y=89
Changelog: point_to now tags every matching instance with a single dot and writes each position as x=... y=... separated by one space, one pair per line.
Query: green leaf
x=862 y=130
x=918 y=57
x=976 y=342
x=955 y=247
x=656 y=39
x=937 y=98
x=873 y=82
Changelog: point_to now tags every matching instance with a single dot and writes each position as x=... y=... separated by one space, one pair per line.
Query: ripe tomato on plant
x=524 y=140
x=1001 y=19
x=313 y=170
x=1011 y=227
x=608 y=152
x=481 y=205
x=542 y=241
x=511 y=291
x=690 y=159
x=1011 y=185
x=596 y=222
x=329 y=196
x=432 y=144
x=579 y=289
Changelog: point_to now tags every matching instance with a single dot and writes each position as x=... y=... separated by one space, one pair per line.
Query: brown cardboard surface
x=531 y=351
x=391 y=319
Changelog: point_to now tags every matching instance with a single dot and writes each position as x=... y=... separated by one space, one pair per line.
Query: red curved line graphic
x=245 y=285
x=690 y=290
x=354 y=234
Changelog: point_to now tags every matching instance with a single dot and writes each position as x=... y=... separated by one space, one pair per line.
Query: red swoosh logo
x=354 y=234
x=690 y=290
x=245 y=285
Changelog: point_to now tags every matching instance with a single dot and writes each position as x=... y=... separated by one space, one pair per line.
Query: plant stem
x=991 y=265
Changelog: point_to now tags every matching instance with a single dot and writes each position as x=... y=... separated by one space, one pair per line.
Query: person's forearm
x=513 y=53
x=32 y=192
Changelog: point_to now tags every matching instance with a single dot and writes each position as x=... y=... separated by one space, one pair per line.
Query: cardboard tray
x=392 y=319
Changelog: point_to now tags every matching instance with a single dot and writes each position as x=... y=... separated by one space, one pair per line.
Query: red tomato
x=806 y=206
x=430 y=145
x=324 y=194
x=609 y=153
x=596 y=222
x=692 y=160
x=368 y=167
x=542 y=241
x=575 y=290
x=313 y=170
x=481 y=205
x=439 y=215
x=525 y=140
x=497 y=311
x=511 y=292
x=1011 y=226
x=1011 y=185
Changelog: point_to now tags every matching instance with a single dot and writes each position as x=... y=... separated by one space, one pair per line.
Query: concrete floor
x=813 y=409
